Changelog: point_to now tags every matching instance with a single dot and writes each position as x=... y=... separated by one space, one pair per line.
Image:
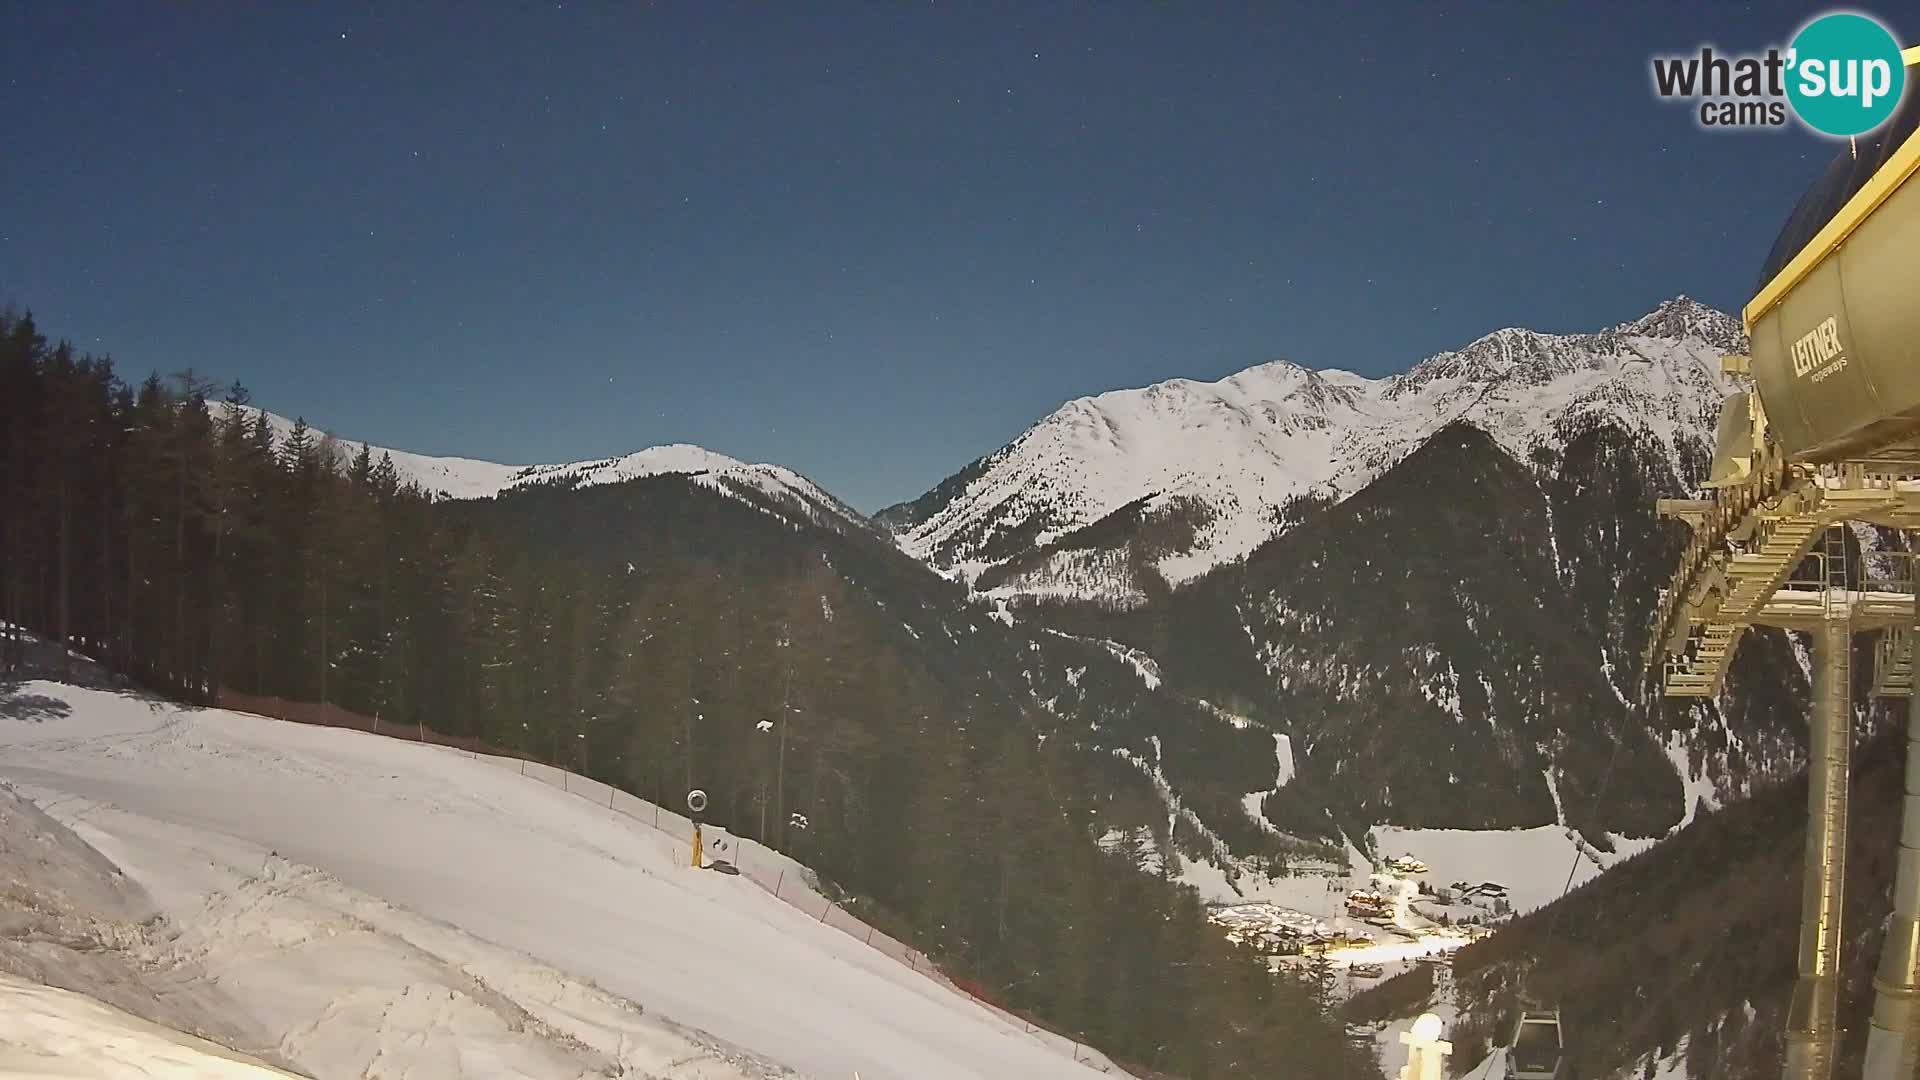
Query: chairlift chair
x=1535 y=1052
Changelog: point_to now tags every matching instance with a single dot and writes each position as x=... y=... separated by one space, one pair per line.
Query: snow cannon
x=697 y=805
x=1835 y=325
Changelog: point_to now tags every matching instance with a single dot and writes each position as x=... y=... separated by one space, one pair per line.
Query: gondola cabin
x=1536 y=1050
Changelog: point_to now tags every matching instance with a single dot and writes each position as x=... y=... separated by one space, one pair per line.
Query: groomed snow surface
x=386 y=909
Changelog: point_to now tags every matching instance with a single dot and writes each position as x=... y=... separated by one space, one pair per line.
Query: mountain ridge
x=462 y=478
x=1231 y=455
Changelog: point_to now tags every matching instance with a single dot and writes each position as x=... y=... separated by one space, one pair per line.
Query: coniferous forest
x=639 y=633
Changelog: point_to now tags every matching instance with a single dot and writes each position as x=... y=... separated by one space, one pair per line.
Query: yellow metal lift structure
x=1828 y=436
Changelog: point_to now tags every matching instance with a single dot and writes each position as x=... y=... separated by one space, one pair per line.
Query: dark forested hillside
x=1458 y=645
x=1688 y=949
x=954 y=771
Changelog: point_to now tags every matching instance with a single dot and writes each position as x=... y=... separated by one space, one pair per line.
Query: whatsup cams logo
x=1841 y=76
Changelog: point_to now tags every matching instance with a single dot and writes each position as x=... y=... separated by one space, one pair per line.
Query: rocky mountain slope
x=1112 y=496
x=1445 y=580
x=1435 y=664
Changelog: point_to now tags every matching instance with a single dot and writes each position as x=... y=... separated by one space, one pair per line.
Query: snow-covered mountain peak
x=467 y=478
x=1684 y=317
x=672 y=458
x=682 y=457
x=1516 y=352
x=1228 y=455
x=725 y=474
x=1279 y=371
x=1273 y=393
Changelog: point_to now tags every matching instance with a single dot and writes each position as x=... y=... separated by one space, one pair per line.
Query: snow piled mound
x=47 y=1032
x=70 y=920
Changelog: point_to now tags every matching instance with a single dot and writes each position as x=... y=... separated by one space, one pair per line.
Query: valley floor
x=381 y=908
x=1534 y=866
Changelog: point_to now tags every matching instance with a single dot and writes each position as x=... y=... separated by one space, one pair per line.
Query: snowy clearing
x=1531 y=863
x=1696 y=788
x=1313 y=888
x=466 y=899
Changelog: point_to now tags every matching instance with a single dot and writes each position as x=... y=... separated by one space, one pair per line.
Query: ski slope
x=344 y=885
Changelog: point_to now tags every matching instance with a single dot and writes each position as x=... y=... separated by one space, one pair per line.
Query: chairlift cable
x=1553 y=920
x=1599 y=803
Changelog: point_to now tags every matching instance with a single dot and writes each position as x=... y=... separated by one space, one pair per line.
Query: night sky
x=870 y=241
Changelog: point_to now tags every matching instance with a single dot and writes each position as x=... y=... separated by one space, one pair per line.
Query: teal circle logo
x=1844 y=74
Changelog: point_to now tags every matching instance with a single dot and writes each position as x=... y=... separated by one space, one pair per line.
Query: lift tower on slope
x=1828 y=435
